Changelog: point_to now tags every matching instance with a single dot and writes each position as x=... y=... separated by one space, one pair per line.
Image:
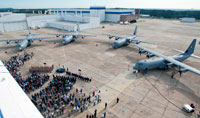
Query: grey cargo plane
x=164 y=62
x=23 y=43
x=68 y=38
x=124 y=41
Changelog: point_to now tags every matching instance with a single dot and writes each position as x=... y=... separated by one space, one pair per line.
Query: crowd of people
x=15 y=62
x=32 y=82
x=57 y=98
x=78 y=76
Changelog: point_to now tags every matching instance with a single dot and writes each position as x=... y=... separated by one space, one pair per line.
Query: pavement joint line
x=138 y=82
x=111 y=99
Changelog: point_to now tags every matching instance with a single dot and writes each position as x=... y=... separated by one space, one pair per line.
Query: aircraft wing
x=113 y=36
x=171 y=60
x=11 y=40
x=59 y=34
x=41 y=38
x=82 y=35
x=139 y=41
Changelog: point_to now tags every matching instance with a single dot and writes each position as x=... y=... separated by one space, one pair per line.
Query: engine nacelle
x=16 y=41
x=110 y=37
x=150 y=55
x=138 y=42
x=82 y=37
x=142 y=51
x=8 y=42
x=183 y=70
x=116 y=38
x=57 y=35
x=169 y=65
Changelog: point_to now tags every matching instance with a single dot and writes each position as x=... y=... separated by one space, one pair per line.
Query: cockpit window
x=139 y=64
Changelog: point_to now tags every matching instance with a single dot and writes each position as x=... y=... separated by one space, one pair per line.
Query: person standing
x=95 y=113
x=117 y=99
x=104 y=114
x=105 y=105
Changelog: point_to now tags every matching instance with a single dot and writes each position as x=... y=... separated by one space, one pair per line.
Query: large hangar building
x=105 y=15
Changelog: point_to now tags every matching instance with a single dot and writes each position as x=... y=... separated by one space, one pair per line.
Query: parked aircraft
x=24 y=43
x=165 y=62
x=68 y=38
x=124 y=41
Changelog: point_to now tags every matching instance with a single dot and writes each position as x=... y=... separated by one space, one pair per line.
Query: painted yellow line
x=111 y=99
x=80 y=116
x=125 y=95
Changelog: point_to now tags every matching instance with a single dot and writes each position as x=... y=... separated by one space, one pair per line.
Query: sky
x=163 y=4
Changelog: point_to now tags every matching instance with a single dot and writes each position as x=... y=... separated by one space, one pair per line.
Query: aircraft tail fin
x=78 y=28
x=191 y=48
x=135 y=31
x=29 y=30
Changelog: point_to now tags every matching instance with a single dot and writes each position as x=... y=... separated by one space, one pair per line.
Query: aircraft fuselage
x=157 y=63
x=24 y=43
x=68 y=39
x=122 y=42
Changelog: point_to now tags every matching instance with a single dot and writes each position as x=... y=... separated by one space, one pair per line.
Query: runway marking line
x=124 y=96
x=111 y=99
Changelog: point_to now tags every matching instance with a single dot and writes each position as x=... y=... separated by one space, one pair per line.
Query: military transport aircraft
x=68 y=38
x=124 y=41
x=165 y=62
x=24 y=43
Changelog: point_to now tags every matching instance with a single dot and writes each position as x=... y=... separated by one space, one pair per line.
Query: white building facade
x=105 y=15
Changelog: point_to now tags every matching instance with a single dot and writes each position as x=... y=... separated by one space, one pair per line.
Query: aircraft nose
x=63 y=42
x=20 y=48
x=136 y=67
x=114 y=45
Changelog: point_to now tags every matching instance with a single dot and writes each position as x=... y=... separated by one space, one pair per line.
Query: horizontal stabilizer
x=31 y=34
x=183 y=52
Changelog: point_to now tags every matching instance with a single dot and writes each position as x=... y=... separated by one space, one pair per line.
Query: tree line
x=171 y=14
x=21 y=10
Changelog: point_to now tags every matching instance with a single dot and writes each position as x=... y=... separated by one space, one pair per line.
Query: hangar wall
x=69 y=23
x=41 y=21
x=64 y=22
x=13 y=22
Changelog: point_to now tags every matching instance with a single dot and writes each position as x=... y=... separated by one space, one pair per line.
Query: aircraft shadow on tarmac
x=175 y=84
